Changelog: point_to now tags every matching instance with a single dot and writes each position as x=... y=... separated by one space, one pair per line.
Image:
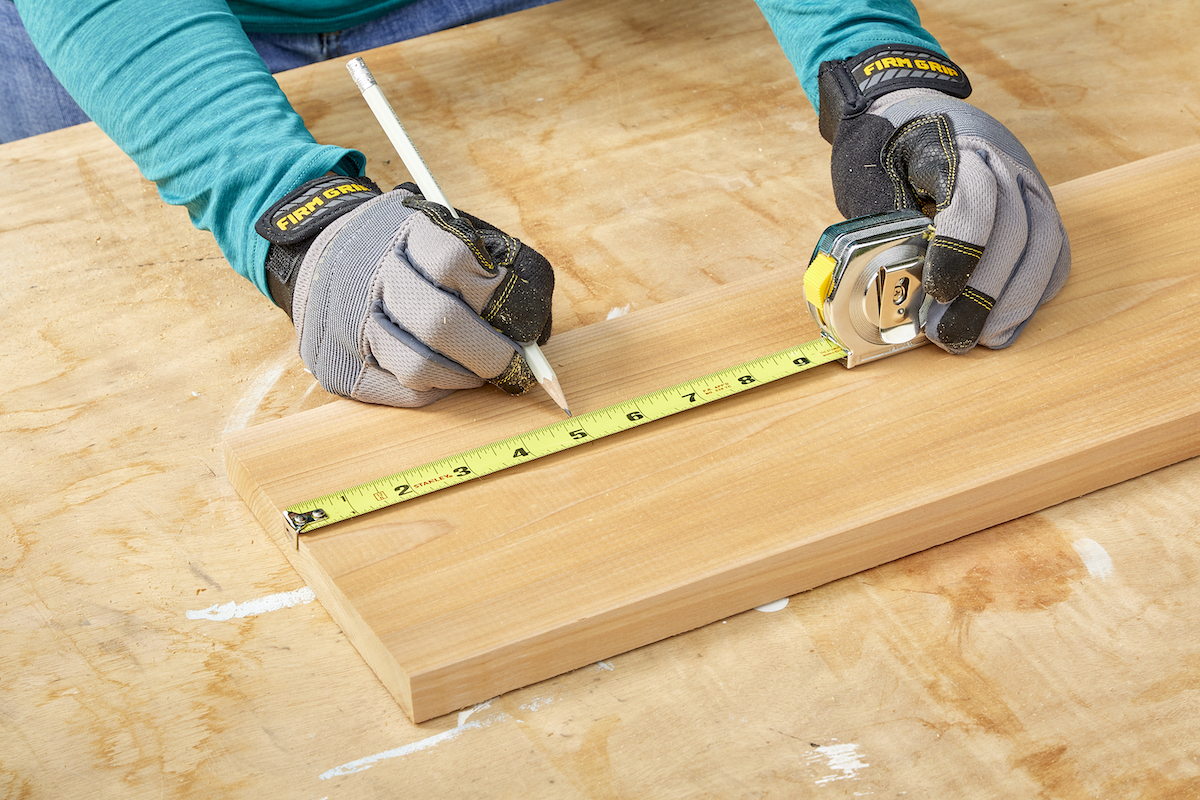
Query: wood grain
x=1000 y=664
x=521 y=576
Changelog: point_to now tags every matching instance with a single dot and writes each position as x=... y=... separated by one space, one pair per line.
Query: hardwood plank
x=524 y=575
x=1000 y=661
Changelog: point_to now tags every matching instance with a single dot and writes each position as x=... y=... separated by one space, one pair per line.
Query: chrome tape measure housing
x=863 y=285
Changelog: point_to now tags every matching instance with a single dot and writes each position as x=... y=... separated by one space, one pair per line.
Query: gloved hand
x=397 y=302
x=903 y=138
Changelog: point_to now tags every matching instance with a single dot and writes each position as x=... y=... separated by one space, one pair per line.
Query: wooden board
x=1054 y=655
x=524 y=575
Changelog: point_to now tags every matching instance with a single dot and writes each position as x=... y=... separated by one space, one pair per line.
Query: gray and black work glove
x=903 y=138
x=397 y=302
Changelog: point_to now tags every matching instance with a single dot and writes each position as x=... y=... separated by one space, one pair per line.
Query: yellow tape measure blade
x=556 y=437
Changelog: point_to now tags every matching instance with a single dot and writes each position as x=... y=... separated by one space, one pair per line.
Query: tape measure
x=419 y=481
x=862 y=287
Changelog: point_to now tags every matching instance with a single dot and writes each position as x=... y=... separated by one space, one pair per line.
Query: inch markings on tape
x=554 y=438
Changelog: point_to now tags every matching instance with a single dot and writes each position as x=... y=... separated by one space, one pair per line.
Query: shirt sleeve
x=812 y=31
x=180 y=89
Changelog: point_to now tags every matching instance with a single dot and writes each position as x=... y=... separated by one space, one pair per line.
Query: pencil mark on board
x=204 y=576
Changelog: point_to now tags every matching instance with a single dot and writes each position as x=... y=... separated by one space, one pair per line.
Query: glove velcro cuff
x=292 y=223
x=848 y=87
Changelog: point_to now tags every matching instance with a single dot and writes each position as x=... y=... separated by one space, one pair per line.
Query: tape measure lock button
x=817 y=280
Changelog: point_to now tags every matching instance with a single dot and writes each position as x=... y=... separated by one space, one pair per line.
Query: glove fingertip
x=517 y=377
x=520 y=306
x=962 y=323
x=949 y=264
x=544 y=336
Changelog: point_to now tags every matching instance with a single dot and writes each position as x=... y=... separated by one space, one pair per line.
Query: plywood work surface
x=154 y=644
x=593 y=552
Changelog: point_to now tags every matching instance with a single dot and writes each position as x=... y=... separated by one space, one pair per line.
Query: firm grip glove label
x=849 y=86
x=306 y=211
x=890 y=67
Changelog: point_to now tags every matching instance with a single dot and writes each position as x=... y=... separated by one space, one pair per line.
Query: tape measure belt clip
x=863 y=284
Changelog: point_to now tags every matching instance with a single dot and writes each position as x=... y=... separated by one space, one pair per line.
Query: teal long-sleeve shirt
x=180 y=89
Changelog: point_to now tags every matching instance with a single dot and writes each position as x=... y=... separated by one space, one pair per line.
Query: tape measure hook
x=297 y=521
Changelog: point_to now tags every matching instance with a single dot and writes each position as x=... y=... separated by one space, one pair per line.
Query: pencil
x=429 y=187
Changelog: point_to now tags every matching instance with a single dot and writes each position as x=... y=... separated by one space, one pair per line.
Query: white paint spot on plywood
x=841 y=759
x=536 y=703
x=778 y=605
x=367 y=762
x=250 y=608
x=619 y=311
x=464 y=715
x=1099 y=564
x=360 y=764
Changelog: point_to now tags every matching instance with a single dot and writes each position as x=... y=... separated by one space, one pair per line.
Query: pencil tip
x=555 y=391
x=544 y=373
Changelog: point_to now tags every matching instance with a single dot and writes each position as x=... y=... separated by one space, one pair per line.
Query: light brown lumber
x=997 y=661
x=524 y=575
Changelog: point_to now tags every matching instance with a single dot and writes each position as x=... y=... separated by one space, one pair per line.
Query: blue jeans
x=32 y=101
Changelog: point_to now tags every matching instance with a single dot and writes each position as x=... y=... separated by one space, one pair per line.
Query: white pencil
x=425 y=181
